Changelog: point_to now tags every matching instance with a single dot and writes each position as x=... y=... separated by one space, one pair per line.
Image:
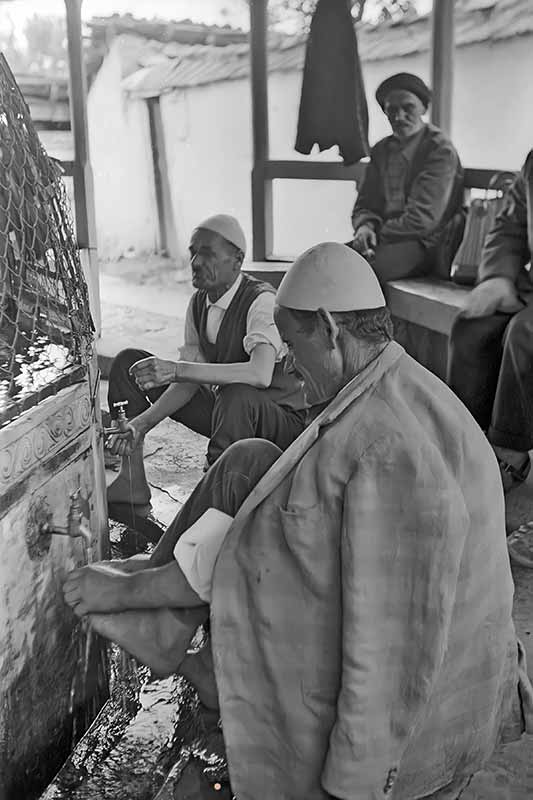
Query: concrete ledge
x=270 y=271
x=428 y=302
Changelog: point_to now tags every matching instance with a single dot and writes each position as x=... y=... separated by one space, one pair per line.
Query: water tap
x=122 y=419
x=76 y=526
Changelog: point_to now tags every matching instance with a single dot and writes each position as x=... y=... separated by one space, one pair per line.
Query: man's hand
x=365 y=240
x=494 y=294
x=152 y=372
x=123 y=443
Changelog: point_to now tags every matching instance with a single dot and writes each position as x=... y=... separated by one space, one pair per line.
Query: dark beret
x=406 y=82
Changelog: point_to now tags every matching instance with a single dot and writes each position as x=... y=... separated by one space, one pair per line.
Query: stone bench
x=423 y=310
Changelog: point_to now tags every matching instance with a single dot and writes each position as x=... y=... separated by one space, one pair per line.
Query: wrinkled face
x=213 y=263
x=404 y=111
x=314 y=355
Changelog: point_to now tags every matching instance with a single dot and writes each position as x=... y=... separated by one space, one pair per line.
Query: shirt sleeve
x=260 y=326
x=190 y=350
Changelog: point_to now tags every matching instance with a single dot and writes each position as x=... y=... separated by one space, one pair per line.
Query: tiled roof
x=184 y=31
x=164 y=68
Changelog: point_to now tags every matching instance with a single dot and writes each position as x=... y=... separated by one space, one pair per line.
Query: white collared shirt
x=260 y=325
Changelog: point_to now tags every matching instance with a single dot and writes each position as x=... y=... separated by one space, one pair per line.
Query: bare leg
x=103 y=589
x=132 y=564
x=158 y=638
x=130 y=485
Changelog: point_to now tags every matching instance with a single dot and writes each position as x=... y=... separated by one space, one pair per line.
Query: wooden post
x=442 y=57
x=163 y=193
x=261 y=186
x=82 y=172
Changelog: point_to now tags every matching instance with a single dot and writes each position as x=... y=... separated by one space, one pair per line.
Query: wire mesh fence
x=46 y=328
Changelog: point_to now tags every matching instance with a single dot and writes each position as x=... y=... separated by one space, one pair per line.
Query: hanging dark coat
x=333 y=108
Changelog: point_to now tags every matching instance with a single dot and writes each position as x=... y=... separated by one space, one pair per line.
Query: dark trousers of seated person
x=400 y=260
x=225 y=487
x=233 y=412
x=490 y=368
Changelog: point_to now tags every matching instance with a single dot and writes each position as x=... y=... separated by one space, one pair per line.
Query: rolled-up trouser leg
x=225 y=487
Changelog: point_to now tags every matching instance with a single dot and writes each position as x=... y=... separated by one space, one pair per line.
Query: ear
x=330 y=327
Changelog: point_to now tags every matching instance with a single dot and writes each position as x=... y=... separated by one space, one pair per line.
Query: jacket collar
x=369 y=376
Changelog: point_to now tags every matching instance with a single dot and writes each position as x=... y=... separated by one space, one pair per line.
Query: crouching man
x=229 y=382
x=359 y=650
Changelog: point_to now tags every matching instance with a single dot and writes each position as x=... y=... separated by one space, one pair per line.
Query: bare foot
x=121 y=490
x=129 y=565
x=158 y=638
x=97 y=587
x=199 y=669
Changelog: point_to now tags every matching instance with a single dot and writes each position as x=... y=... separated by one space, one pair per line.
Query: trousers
x=490 y=368
x=232 y=412
x=225 y=487
x=400 y=260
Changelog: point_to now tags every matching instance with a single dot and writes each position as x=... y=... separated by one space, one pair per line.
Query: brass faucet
x=121 y=421
x=76 y=526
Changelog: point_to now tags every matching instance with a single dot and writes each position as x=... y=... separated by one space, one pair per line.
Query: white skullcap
x=330 y=276
x=227 y=227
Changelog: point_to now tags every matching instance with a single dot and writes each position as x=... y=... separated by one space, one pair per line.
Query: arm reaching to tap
x=124 y=442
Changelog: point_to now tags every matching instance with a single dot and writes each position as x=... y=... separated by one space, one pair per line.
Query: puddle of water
x=149 y=732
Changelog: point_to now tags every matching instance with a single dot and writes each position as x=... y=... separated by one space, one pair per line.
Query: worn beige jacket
x=361 y=612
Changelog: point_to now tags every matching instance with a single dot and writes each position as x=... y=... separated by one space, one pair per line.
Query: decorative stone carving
x=35 y=437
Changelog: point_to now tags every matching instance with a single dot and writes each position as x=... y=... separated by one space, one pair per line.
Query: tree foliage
x=298 y=13
x=42 y=48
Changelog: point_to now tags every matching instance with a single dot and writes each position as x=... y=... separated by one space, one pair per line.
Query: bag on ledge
x=480 y=219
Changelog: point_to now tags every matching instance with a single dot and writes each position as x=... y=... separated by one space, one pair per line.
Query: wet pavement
x=144 y=305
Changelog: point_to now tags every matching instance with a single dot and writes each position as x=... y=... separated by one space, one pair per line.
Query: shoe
x=520 y=545
x=513 y=476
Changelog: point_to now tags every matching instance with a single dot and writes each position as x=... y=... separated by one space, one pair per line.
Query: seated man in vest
x=230 y=381
x=410 y=201
x=358 y=649
x=490 y=363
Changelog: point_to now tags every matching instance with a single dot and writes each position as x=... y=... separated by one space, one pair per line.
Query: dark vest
x=285 y=389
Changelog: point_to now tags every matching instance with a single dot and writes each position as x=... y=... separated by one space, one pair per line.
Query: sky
x=210 y=11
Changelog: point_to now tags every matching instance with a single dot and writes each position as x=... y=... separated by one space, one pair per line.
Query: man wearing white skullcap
x=229 y=382
x=358 y=649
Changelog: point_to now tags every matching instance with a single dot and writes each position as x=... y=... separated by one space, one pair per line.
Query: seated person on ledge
x=350 y=618
x=230 y=382
x=410 y=201
x=490 y=365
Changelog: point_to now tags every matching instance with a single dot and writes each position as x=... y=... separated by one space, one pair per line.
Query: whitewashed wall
x=209 y=147
x=119 y=140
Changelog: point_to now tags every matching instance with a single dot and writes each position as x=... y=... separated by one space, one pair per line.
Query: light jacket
x=361 y=612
